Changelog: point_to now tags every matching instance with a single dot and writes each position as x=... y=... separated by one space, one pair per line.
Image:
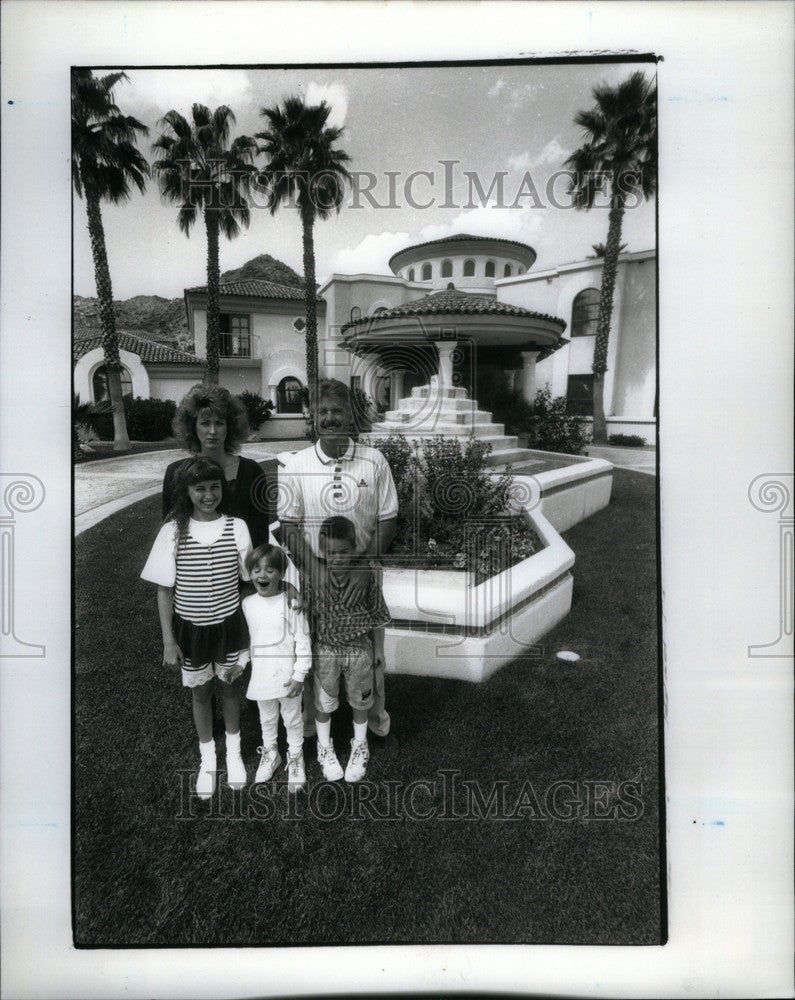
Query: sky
x=430 y=148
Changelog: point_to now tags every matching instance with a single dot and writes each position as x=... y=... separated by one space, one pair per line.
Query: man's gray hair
x=332 y=388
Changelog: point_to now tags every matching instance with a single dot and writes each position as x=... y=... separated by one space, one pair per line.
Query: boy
x=349 y=641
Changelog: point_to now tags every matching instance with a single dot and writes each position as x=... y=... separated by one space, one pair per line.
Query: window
x=100 y=384
x=288 y=396
x=469 y=269
x=579 y=395
x=585 y=313
x=507 y=272
x=447 y=269
x=378 y=309
x=356 y=314
x=234 y=340
x=411 y=274
x=489 y=272
x=299 y=324
x=427 y=272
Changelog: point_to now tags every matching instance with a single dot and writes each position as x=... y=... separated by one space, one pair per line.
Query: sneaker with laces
x=235 y=768
x=296 y=773
x=332 y=770
x=269 y=761
x=357 y=764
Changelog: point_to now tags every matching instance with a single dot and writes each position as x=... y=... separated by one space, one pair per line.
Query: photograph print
x=366 y=617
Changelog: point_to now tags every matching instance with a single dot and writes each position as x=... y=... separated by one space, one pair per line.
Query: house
x=460 y=309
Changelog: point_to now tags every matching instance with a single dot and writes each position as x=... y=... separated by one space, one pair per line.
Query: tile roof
x=147 y=350
x=457 y=237
x=454 y=302
x=256 y=288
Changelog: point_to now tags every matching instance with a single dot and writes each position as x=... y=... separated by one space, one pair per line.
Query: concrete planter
x=442 y=626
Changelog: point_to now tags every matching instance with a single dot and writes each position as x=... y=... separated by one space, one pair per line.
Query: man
x=338 y=476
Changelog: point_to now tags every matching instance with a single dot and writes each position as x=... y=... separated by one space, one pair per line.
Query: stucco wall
x=634 y=383
x=168 y=384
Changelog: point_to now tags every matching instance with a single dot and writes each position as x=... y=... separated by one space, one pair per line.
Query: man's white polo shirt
x=358 y=485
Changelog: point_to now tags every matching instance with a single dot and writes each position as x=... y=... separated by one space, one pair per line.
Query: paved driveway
x=108 y=485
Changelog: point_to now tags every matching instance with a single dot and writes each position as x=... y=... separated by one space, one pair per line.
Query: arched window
x=469 y=269
x=411 y=274
x=447 y=269
x=489 y=272
x=288 y=396
x=507 y=272
x=100 y=384
x=356 y=313
x=427 y=272
x=584 y=313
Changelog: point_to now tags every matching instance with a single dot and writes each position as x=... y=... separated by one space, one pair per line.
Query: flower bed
x=454 y=514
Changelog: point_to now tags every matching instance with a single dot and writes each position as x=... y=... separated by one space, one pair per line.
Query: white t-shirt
x=161 y=566
x=358 y=485
x=281 y=649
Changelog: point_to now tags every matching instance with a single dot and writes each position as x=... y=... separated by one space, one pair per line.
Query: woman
x=212 y=423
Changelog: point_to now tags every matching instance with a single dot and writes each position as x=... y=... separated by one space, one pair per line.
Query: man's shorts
x=196 y=676
x=354 y=661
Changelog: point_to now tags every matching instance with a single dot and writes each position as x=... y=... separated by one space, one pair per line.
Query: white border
x=726 y=362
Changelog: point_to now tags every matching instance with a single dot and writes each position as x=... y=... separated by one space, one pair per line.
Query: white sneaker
x=235 y=768
x=296 y=773
x=332 y=770
x=357 y=764
x=269 y=761
x=205 y=779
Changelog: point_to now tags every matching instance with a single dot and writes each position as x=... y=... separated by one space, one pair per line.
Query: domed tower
x=471 y=263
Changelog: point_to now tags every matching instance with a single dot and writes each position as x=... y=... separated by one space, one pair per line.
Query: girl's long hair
x=195 y=470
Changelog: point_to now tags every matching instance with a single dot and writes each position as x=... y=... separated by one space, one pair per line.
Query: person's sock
x=233 y=741
x=360 y=731
x=323 y=732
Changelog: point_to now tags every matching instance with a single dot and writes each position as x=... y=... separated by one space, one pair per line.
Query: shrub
x=553 y=428
x=147 y=419
x=628 y=440
x=362 y=408
x=87 y=417
x=257 y=409
x=451 y=513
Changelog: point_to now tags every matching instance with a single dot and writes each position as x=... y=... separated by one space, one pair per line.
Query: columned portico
x=445 y=372
x=529 y=359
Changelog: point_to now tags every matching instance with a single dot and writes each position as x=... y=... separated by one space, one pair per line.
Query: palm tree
x=105 y=162
x=617 y=158
x=199 y=169
x=304 y=165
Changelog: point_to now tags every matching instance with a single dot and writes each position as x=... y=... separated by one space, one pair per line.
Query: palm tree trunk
x=609 y=271
x=110 y=341
x=310 y=299
x=213 y=308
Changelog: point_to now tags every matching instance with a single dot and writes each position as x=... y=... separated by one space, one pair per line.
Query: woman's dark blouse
x=246 y=497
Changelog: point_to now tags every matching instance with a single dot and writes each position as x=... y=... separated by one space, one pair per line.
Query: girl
x=196 y=561
x=281 y=656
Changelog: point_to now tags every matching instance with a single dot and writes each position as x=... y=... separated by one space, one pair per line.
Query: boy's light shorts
x=354 y=661
x=196 y=676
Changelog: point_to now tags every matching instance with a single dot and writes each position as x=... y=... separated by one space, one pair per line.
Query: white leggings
x=291 y=715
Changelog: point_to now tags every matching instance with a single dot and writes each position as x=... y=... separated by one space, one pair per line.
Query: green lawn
x=233 y=874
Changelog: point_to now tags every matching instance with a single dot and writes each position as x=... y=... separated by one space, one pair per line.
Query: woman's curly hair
x=223 y=404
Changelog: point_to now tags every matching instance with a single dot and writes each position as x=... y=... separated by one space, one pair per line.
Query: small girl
x=281 y=656
x=196 y=562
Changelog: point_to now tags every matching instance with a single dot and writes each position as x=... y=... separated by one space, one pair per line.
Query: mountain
x=164 y=320
x=266 y=268
x=149 y=316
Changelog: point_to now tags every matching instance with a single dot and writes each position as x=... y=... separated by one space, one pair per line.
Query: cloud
x=164 y=89
x=371 y=255
x=334 y=94
x=498 y=86
x=524 y=95
x=552 y=154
